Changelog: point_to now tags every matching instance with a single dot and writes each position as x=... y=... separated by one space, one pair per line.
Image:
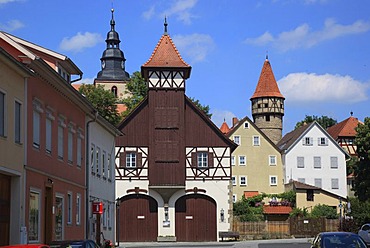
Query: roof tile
x=346 y=128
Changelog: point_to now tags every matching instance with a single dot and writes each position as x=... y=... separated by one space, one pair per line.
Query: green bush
x=324 y=211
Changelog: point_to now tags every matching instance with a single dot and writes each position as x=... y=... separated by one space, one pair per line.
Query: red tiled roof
x=248 y=194
x=76 y=86
x=276 y=209
x=121 y=107
x=345 y=128
x=267 y=86
x=224 y=128
x=165 y=54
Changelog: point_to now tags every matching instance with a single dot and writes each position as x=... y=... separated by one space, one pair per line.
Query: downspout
x=77 y=79
x=87 y=152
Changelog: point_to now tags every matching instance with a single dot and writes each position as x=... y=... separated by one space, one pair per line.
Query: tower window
x=267 y=117
x=114 y=91
x=266 y=105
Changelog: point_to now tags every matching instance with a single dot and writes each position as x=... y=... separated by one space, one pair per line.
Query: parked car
x=364 y=233
x=86 y=243
x=338 y=240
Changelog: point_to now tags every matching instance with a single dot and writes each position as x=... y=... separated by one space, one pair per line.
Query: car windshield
x=346 y=241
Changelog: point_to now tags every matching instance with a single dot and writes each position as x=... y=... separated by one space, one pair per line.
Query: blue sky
x=319 y=49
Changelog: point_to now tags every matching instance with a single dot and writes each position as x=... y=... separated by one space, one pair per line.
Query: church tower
x=113 y=75
x=268 y=104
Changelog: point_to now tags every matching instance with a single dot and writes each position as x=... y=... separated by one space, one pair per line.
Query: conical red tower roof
x=165 y=54
x=224 y=128
x=267 y=86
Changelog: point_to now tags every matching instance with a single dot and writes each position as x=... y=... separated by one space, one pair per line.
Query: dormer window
x=64 y=74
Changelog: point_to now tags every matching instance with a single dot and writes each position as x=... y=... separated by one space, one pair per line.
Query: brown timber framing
x=137 y=173
x=159 y=79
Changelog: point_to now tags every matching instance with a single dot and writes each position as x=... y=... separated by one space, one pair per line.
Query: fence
x=293 y=227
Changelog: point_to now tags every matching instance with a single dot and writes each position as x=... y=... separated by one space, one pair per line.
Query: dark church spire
x=113 y=59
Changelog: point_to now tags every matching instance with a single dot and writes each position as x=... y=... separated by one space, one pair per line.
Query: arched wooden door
x=138 y=218
x=196 y=218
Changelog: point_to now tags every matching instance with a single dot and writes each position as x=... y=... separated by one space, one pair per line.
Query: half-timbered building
x=173 y=174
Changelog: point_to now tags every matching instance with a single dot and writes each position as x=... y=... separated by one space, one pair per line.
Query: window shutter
x=311 y=141
x=210 y=160
x=122 y=159
x=194 y=159
x=139 y=156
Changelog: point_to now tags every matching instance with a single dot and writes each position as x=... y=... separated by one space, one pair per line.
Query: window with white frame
x=246 y=125
x=103 y=164
x=97 y=161
x=243 y=180
x=334 y=162
x=78 y=209
x=37 y=110
x=17 y=122
x=300 y=162
x=49 y=131
x=334 y=183
x=202 y=158
x=234 y=198
x=237 y=139
x=322 y=141
x=71 y=132
x=79 y=148
x=242 y=160
x=256 y=140
x=318 y=182
x=233 y=180
x=2 y=114
x=272 y=160
x=317 y=162
x=273 y=180
x=61 y=126
x=92 y=158
x=302 y=180
x=109 y=167
x=307 y=141
x=69 y=208
x=131 y=159
x=232 y=160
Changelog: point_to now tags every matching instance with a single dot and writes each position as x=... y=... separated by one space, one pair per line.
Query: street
x=283 y=243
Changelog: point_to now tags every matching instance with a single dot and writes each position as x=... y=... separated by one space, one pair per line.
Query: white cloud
x=181 y=9
x=80 y=41
x=194 y=46
x=218 y=117
x=303 y=37
x=149 y=13
x=86 y=81
x=8 y=1
x=11 y=25
x=310 y=87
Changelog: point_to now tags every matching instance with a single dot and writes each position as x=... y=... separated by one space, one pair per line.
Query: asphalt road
x=278 y=243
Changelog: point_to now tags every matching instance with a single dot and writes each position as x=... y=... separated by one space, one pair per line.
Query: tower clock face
x=103 y=64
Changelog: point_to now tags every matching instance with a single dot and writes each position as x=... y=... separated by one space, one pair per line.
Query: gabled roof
x=241 y=122
x=34 y=51
x=165 y=54
x=291 y=139
x=346 y=128
x=267 y=86
x=304 y=186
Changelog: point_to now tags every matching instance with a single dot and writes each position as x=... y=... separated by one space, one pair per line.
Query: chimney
x=235 y=121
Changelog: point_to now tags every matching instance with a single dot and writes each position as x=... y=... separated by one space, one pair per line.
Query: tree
x=324 y=121
x=103 y=101
x=362 y=167
x=137 y=88
x=322 y=210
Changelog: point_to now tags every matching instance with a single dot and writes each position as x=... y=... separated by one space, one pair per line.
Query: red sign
x=97 y=207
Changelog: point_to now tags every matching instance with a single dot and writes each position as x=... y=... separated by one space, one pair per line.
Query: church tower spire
x=268 y=104
x=113 y=59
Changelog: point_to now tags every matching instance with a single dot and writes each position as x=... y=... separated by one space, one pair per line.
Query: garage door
x=196 y=218
x=138 y=218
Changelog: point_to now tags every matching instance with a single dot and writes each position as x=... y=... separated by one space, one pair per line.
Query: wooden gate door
x=138 y=219
x=196 y=218
x=4 y=209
